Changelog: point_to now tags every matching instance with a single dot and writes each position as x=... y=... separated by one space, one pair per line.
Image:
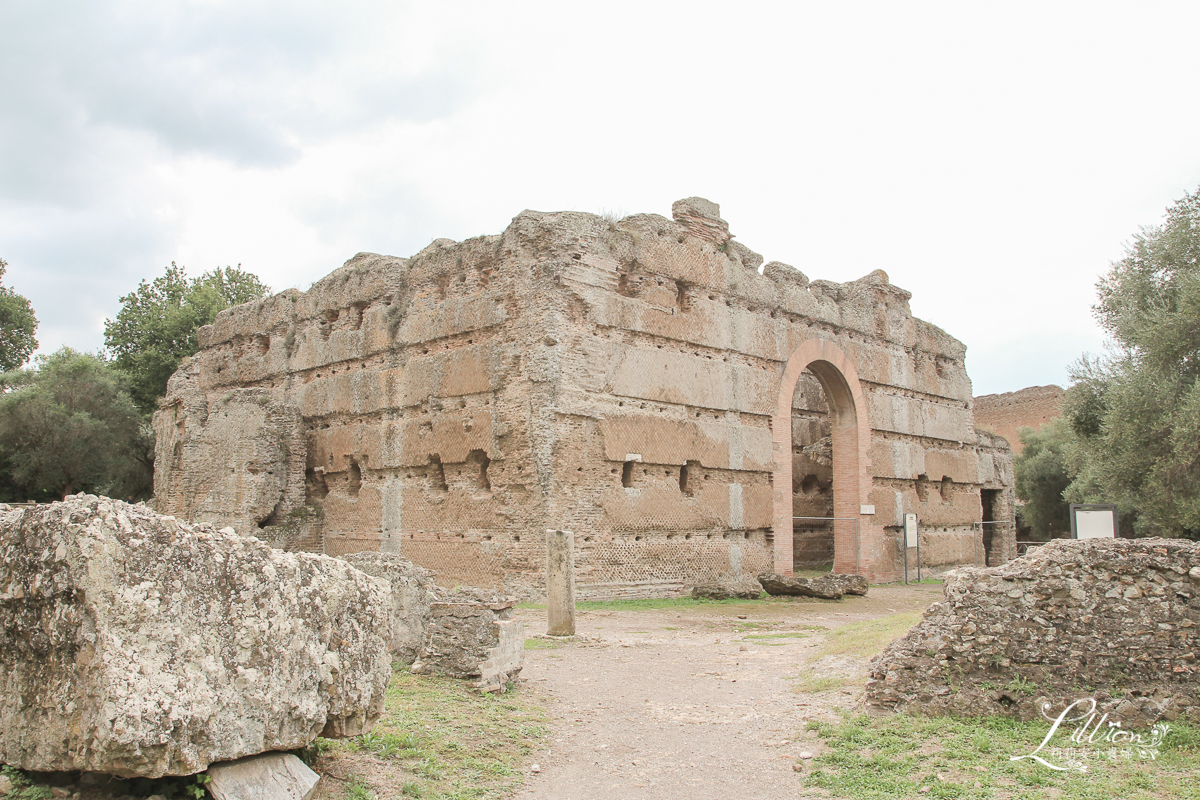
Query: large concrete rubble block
x=1116 y=621
x=270 y=776
x=728 y=590
x=826 y=587
x=474 y=636
x=136 y=645
x=413 y=592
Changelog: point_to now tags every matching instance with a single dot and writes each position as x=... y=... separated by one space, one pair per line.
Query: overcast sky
x=993 y=158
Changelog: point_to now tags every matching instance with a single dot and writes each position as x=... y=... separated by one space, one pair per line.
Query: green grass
x=543 y=644
x=876 y=758
x=28 y=786
x=646 y=603
x=767 y=639
x=815 y=684
x=439 y=739
x=24 y=787
x=865 y=639
x=785 y=635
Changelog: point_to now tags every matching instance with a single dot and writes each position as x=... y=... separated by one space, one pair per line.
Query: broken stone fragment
x=270 y=776
x=136 y=645
x=474 y=635
x=702 y=218
x=728 y=590
x=826 y=587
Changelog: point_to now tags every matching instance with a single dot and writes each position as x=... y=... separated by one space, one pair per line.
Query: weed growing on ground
x=438 y=738
x=783 y=635
x=543 y=644
x=898 y=756
x=815 y=684
x=23 y=787
x=26 y=786
x=866 y=639
x=646 y=603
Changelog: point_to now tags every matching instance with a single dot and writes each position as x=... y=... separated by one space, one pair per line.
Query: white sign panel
x=910 y=530
x=1094 y=525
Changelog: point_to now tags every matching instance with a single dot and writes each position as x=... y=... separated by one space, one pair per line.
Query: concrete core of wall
x=646 y=383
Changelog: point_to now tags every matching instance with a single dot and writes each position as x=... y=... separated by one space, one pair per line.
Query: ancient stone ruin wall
x=1114 y=620
x=1005 y=414
x=621 y=379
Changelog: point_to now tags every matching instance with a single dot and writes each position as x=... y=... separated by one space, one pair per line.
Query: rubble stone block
x=474 y=636
x=1111 y=620
x=270 y=776
x=723 y=590
x=136 y=645
x=787 y=584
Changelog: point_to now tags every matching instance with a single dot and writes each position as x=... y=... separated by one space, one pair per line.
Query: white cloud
x=991 y=159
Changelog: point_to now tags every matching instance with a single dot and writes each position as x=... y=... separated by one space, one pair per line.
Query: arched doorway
x=849 y=435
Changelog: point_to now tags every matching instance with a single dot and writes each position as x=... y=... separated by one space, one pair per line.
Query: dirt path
x=697 y=703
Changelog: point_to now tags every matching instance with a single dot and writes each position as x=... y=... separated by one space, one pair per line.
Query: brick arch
x=851 y=435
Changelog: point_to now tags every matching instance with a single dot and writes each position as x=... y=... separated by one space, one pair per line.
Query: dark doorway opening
x=812 y=477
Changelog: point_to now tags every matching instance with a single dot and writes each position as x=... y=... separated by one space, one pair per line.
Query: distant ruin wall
x=615 y=378
x=1005 y=414
x=1115 y=620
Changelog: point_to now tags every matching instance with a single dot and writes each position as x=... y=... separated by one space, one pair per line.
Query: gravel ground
x=695 y=703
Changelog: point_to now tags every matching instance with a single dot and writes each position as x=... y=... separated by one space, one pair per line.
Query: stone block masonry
x=1114 y=620
x=474 y=637
x=646 y=383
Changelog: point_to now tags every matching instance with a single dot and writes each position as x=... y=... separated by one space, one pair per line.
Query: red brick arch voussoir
x=851 y=434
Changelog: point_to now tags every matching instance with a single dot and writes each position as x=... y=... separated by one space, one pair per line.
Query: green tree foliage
x=156 y=326
x=1043 y=473
x=17 y=327
x=1136 y=411
x=69 y=425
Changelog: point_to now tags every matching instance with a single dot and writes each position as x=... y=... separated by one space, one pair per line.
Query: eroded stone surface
x=742 y=590
x=137 y=645
x=1115 y=620
x=413 y=592
x=270 y=776
x=827 y=587
x=474 y=636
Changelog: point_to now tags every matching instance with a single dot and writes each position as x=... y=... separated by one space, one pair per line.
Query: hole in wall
x=627 y=474
x=686 y=484
x=354 y=479
x=481 y=462
x=437 y=474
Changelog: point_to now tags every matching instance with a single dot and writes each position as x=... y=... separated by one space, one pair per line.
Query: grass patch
x=874 y=758
x=30 y=786
x=24 y=785
x=438 y=738
x=815 y=684
x=645 y=603
x=544 y=644
x=865 y=639
x=788 y=635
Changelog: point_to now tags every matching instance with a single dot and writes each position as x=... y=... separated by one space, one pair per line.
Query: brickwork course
x=646 y=383
x=1005 y=414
